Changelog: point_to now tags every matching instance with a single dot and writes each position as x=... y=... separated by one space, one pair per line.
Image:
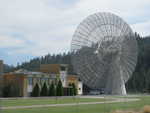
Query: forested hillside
x=34 y=64
x=139 y=82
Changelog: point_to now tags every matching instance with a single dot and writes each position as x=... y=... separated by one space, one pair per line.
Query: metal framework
x=104 y=52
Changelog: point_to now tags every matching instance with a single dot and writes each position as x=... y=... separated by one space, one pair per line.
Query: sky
x=32 y=28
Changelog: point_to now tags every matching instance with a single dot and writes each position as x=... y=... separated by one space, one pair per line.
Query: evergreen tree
x=36 y=91
x=52 y=91
x=147 y=81
x=44 y=90
x=148 y=88
x=10 y=90
x=59 y=89
x=6 y=91
x=74 y=89
x=71 y=91
x=15 y=91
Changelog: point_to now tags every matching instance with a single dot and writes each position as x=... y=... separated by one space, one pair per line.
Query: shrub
x=11 y=90
x=6 y=91
x=36 y=91
x=59 y=89
x=74 y=89
x=52 y=90
x=44 y=90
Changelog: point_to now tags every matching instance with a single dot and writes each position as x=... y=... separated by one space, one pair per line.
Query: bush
x=15 y=91
x=52 y=90
x=74 y=89
x=36 y=91
x=44 y=90
x=6 y=91
x=59 y=89
x=70 y=90
x=11 y=90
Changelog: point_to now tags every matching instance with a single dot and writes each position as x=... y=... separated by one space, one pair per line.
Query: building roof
x=26 y=72
x=51 y=68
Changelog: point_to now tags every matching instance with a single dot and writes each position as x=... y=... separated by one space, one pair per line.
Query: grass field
x=97 y=108
x=44 y=101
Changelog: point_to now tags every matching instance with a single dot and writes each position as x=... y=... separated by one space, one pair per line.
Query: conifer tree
x=74 y=89
x=59 y=89
x=52 y=91
x=44 y=90
x=70 y=90
x=36 y=91
x=6 y=91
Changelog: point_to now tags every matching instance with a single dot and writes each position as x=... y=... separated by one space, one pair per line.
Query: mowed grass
x=44 y=101
x=97 y=108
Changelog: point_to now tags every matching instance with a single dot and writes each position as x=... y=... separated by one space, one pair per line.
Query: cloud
x=142 y=28
x=38 y=27
x=8 y=41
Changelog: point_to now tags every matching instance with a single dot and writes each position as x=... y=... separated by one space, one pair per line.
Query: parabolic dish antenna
x=104 y=52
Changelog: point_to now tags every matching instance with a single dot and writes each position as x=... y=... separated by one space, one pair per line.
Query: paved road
x=113 y=100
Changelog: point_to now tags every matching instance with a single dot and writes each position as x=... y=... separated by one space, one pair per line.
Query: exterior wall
x=25 y=94
x=16 y=81
x=29 y=85
x=58 y=69
x=26 y=82
x=1 y=85
x=1 y=67
x=63 y=78
x=73 y=79
x=80 y=88
x=63 y=75
x=32 y=80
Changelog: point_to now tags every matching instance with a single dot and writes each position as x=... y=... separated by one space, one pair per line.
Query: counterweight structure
x=104 y=52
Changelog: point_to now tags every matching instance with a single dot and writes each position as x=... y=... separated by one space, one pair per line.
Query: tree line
x=140 y=80
x=12 y=90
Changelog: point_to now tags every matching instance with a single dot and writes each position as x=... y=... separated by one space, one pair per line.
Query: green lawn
x=97 y=108
x=44 y=101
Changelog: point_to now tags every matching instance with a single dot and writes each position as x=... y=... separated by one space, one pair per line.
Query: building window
x=40 y=80
x=30 y=81
x=47 y=80
x=43 y=80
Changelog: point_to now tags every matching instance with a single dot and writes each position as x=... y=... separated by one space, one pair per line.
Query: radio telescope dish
x=104 y=52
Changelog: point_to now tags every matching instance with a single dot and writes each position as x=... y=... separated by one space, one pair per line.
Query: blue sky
x=31 y=28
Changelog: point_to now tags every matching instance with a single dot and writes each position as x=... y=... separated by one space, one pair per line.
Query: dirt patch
x=146 y=109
